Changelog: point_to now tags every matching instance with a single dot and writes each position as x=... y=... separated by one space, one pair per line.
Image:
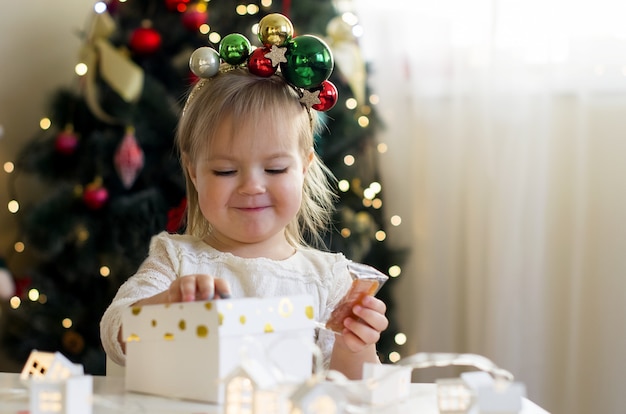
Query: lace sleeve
x=154 y=276
x=339 y=284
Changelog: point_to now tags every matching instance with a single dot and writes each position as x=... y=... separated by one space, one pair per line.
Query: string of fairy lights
x=369 y=192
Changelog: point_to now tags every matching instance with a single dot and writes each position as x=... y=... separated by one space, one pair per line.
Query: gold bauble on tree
x=275 y=29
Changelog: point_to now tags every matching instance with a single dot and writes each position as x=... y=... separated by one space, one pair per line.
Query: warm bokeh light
x=380 y=235
x=374 y=99
x=241 y=9
x=204 y=28
x=81 y=69
x=19 y=247
x=351 y=103
x=252 y=9
x=214 y=37
x=348 y=160
x=363 y=121
x=382 y=148
x=376 y=187
x=344 y=185
x=400 y=338
x=345 y=232
x=394 y=271
x=33 y=295
x=395 y=220
x=15 y=302
x=105 y=271
x=369 y=193
x=9 y=167
x=13 y=206
x=67 y=323
x=377 y=203
x=394 y=356
x=45 y=123
x=100 y=7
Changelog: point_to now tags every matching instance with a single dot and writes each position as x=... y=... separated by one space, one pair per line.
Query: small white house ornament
x=57 y=385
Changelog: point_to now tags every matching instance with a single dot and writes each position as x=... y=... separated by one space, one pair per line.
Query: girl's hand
x=197 y=287
x=359 y=334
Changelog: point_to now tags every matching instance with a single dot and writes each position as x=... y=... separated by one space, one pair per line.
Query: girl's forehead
x=261 y=133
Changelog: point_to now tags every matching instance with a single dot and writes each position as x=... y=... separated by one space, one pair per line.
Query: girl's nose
x=252 y=183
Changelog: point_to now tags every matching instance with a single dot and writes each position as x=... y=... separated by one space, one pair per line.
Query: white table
x=110 y=397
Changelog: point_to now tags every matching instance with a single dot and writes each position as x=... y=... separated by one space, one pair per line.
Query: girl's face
x=249 y=186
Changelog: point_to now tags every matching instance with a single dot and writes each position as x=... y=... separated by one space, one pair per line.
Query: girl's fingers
x=222 y=289
x=198 y=287
x=205 y=287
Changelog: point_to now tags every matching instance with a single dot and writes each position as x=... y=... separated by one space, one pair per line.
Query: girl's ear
x=189 y=168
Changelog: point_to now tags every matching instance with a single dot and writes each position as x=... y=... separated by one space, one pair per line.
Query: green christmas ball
x=234 y=49
x=309 y=62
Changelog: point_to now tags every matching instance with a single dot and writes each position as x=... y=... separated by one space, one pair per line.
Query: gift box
x=185 y=350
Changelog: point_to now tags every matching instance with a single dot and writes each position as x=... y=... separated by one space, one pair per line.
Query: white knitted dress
x=320 y=274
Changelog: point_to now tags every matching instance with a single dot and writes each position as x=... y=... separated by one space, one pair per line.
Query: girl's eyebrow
x=227 y=157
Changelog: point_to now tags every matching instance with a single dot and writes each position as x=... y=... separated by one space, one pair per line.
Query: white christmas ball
x=205 y=62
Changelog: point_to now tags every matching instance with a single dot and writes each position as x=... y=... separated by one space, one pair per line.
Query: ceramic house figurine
x=318 y=397
x=257 y=388
x=57 y=386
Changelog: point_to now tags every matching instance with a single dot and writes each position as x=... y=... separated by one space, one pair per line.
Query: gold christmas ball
x=275 y=29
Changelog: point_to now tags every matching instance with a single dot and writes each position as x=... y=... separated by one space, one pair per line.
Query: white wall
x=39 y=44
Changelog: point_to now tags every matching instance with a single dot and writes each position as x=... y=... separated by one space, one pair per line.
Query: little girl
x=255 y=189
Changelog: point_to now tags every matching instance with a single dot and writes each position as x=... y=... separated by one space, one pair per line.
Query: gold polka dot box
x=185 y=350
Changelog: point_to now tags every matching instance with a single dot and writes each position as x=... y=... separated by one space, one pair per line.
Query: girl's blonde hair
x=240 y=96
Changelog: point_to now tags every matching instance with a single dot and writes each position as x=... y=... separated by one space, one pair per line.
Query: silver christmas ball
x=205 y=62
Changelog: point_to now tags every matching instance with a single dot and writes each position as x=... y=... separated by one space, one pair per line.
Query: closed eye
x=276 y=170
x=224 y=173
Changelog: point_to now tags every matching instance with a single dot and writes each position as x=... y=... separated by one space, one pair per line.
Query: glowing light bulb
x=394 y=271
x=400 y=338
x=13 y=206
x=33 y=295
x=81 y=69
x=394 y=356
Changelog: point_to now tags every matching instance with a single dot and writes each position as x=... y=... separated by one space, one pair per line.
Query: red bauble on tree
x=67 y=141
x=327 y=97
x=176 y=5
x=95 y=195
x=260 y=65
x=145 y=40
x=195 y=16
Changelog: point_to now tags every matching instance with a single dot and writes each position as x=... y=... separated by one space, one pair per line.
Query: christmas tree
x=108 y=162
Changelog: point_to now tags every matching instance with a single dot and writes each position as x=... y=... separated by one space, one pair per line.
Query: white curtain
x=506 y=128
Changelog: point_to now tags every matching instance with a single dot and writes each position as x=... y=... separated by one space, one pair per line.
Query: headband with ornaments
x=305 y=62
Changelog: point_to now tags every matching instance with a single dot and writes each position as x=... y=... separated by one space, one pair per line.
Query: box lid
x=223 y=317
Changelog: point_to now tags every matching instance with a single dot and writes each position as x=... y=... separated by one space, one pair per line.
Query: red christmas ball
x=145 y=40
x=328 y=97
x=176 y=5
x=195 y=16
x=66 y=142
x=95 y=196
x=259 y=65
